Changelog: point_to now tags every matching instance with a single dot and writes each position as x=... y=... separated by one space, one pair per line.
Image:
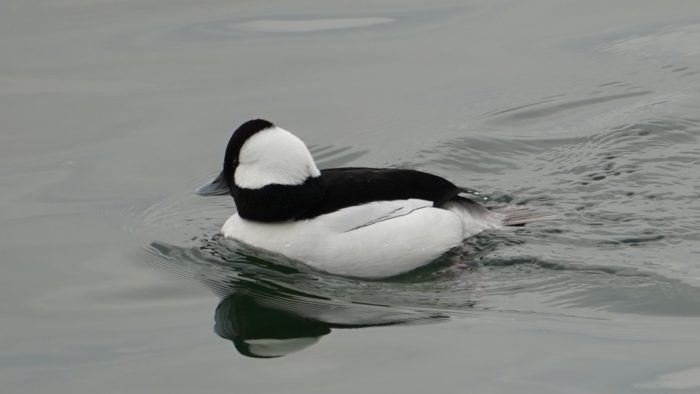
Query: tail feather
x=514 y=215
x=477 y=218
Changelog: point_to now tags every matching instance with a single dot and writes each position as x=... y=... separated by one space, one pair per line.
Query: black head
x=222 y=183
x=269 y=172
x=239 y=137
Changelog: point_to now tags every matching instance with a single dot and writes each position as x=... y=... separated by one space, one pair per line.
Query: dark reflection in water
x=266 y=321
x=264 y=332
x=263 y=317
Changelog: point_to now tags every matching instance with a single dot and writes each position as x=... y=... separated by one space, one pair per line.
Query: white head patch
x=274 y=156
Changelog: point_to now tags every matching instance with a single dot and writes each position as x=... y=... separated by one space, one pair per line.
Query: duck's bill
x=215 y=187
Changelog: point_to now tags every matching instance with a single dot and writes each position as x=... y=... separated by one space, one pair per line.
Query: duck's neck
x=278 y=203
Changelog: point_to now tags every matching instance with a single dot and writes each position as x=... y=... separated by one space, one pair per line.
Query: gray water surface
x=115 y=278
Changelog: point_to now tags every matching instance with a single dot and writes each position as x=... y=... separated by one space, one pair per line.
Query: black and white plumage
x=365 y=222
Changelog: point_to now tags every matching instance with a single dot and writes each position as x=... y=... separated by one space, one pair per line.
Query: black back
x=339 y=188
x=346 y=187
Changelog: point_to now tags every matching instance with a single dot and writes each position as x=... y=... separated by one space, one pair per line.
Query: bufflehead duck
x=363 y=222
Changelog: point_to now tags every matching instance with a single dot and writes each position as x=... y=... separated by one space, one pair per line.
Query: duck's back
x=351 y=186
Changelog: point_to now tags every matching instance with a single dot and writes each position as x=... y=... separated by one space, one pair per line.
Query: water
x=114 y=278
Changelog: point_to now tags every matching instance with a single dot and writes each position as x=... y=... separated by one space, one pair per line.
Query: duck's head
x=269 y=172
x=261 y=154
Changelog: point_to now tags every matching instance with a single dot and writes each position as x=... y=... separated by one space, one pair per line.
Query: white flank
x=274 y=156
x=372 y=240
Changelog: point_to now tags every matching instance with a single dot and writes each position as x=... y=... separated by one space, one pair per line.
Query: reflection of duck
x=263 y=317
x=259 y=331
x=265 y=322
x=362 y=222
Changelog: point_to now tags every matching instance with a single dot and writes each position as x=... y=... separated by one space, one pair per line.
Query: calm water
x=113 y=276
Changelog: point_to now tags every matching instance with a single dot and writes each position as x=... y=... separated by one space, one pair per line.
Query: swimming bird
x=353 y=221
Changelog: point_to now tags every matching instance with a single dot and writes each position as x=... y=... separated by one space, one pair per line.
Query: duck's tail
x=476 y=218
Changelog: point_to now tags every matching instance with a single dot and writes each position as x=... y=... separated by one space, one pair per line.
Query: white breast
x=378 y=239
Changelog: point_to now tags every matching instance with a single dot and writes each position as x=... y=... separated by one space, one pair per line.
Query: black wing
x=346 y=187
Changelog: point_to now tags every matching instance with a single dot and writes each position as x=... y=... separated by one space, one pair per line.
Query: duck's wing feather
x=346 y=187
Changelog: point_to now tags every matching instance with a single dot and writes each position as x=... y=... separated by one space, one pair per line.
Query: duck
x=351 y=221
